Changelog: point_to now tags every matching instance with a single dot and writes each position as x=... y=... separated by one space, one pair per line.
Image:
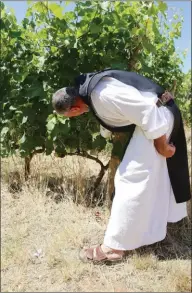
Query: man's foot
x=101 y=254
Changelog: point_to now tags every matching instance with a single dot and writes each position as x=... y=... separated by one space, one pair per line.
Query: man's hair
x=64 y=99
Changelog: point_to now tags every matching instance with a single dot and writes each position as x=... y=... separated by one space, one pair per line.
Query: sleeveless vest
x=178 y=164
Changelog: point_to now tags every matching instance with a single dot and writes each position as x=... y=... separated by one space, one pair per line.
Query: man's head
x=67 y=102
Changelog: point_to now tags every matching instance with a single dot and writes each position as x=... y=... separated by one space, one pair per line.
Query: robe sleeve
x=128 y=104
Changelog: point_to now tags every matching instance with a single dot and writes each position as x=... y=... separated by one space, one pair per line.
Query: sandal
x=96 y=255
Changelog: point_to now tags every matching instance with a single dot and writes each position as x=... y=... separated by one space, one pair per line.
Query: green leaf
x=51 y=116
x=81 y=12
x=51 y=124
x=94 y=29
x=99 y=143
x=86 y=4
x=24 y=120
x=4 y=131
x=25 y=22
x=22 y=139
x=29 y=12
x=155 y=30
x=162 y=6
x=62 y=119
x=56 y=9
x=12 y=108
x=4 y=105
x=39 y=7
x=153 y=9
x=54 y=49
x=66 y=42
x=97 y=21
x=94 y=135
x=2 y=24
x=135 y=30
x=120 y=66
x=35 y=90
x=145 y=17
x=116 y=17
x=2 y=5
x=15 y=34
x=104 y=5
x=149 y=46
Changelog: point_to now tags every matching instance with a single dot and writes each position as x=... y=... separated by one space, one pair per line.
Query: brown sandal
x=96 y=255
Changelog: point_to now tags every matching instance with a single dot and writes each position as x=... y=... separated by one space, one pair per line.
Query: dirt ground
x=42 y=233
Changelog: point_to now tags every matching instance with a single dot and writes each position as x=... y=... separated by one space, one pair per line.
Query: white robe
x=144 y=201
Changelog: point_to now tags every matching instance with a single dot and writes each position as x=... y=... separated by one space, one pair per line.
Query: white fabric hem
x=157 y=133
x=175 y=221
x=115 y=245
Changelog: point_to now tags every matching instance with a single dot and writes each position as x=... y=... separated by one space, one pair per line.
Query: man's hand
x=163 y=148
x=166 y=97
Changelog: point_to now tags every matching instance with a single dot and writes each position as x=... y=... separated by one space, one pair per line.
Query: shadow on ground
x=176 y=245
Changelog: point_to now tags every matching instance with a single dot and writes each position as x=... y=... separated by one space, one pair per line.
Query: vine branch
x=86 y=155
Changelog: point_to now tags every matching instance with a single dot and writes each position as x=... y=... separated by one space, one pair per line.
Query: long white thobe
x=144 y=201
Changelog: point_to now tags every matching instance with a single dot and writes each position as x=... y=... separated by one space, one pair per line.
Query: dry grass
x=43 y=229
x=41 y=241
